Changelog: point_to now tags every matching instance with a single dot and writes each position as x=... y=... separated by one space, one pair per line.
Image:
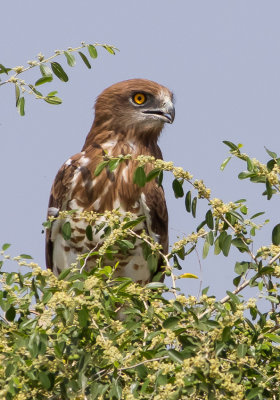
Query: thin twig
x=87 y=257
x=144 y=362
x=200 y=270
x=45 y=60
x=239 y=288
x=130 y=367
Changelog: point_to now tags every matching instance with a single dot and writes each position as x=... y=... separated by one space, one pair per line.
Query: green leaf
x=276 y=235
x=236 y=215
x=10 y=314
x=237 y=242
x=70 y=58
x=89 y=232
x=269 y=191
x=217 y=248
x=160 y=178
x=226 y=245
x=256 y=178
x=116 y=390
x=113 y=164
x=210 y=238
x=274 y=338
x=241 y=268
x=84 y=58
x=181 y=252
x=271 y=153
x=246 y=174
x=219 y=346
x=92 y=51
x=175 y=356
x=125 y=244
x=132 y=224
x=152 y=262
x=20 y=106
x=194 y=203
x=26 y=256
x=177 y=188
x=47 y=296
x=59 y=348
x=139 y=177
x=201 y=225
x=244 y=210
x=171 y=323
x=253 y=393
x=100 y=167
x=222 y=237
x=266 y=271
x=257 y=214
x=17 y=93
x=64 y=273
x=34 y=90
x=226 y=333
x=188 y=201
x=45 y=70
x=242 y=350
x=10 y=368
x=109 y=49
x=53 y=100
x=59 y=71
x=10 y=278
x=5 y=246
x=83 y=317
x=270 y=164
x=44 y=379
x=153 y=174
x=272 y=299
x=233 y=297
x=155 y=285
x=224 y=163
x=66 y=230
x=4 y=70
x=53 y=93
x=43 y=80
x=236 y=280
x=250 y=166
x=231 y=145
x=209 y=219
x=206 y=247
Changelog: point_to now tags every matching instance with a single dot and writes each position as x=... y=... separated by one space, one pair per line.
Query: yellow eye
x=139 y=98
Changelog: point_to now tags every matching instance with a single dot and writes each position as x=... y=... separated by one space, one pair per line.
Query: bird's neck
x=118 y=142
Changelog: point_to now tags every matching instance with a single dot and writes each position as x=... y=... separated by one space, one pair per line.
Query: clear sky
x=220 y=58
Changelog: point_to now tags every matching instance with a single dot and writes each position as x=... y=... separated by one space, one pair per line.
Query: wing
x=156 y=217
x=156 y=204
x=76 y=187
x=59 y=197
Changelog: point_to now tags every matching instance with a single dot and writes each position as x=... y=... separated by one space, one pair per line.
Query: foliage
x=89 y=335
x=48 y=69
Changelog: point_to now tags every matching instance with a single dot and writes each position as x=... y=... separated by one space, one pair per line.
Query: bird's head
x=136 y=107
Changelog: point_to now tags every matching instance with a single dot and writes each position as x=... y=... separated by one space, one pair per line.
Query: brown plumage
x=129 y=117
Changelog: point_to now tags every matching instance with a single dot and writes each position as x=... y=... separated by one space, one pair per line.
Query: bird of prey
x=129 y=117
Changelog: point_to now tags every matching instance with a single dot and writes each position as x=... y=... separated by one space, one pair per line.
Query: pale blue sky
x=220 y=58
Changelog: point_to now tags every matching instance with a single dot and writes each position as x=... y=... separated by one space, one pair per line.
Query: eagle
x=129 y=117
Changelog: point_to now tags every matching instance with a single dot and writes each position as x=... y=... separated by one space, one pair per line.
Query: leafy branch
x=219 y=219
x=48 y=69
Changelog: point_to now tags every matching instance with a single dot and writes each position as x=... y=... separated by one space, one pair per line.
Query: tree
x=61 y=337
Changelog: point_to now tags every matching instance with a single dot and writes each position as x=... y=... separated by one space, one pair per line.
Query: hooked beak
x=166 y=113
